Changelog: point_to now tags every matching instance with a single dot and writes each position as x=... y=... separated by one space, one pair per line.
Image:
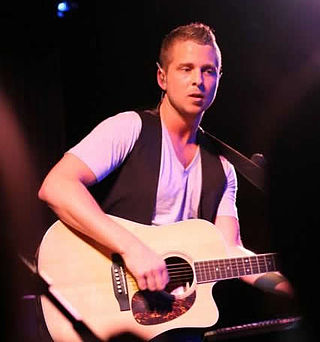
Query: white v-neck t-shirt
x=179 y=188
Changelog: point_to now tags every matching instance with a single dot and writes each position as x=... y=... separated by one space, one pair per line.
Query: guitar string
x=179 y=277
x=233 y=261
x=228 y=261
x=211 y=274
x=221 y=267
x=183 y=270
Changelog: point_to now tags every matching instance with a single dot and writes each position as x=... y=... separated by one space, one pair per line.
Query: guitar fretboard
x=214 y=270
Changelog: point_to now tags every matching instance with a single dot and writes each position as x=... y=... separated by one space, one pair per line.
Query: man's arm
x=65 y=191
x=273 y=282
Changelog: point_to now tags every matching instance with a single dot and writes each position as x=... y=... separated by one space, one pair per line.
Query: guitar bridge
x=119 y=281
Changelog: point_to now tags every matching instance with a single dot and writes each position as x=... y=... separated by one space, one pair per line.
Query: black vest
x=130 y=191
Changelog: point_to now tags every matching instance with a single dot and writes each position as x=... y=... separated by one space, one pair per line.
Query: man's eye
x=185 y=69
x=211 y=71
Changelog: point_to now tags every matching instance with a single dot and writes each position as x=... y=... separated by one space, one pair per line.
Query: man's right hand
x=147 y=267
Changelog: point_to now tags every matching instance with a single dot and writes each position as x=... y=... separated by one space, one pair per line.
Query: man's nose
x=197 y=77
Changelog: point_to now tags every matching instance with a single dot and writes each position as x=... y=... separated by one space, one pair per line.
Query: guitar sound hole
x=163 y=306
x=181 y=275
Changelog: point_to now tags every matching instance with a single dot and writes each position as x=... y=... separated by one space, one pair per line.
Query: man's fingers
x=153 y=280
x=161 y=279
x=142 y=283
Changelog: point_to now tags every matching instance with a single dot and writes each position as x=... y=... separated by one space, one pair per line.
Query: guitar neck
x=221 y=269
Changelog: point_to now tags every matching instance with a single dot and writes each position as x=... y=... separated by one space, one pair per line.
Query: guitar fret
x=255 y=264
x=213 y=271
x=228 y=268
x=246 y=266
x=217 y=269
x=274 y=263
x=270 y=263
x=240 y=266
x=207 y=269
x=222 y=268
x=235 y=268
x=263 y=264
x=199 y=273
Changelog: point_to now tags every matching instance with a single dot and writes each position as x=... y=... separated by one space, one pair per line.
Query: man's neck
x=182 y=126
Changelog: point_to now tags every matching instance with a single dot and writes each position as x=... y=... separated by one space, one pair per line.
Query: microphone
x=258 y=159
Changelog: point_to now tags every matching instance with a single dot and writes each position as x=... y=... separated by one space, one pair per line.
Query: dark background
x=61 y=76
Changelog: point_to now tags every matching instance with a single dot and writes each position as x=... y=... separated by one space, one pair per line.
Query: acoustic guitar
x=96 y=285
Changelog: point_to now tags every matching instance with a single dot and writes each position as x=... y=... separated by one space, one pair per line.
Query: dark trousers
x=180 y=335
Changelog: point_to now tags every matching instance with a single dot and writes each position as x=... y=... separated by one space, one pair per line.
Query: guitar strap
x=250 y=170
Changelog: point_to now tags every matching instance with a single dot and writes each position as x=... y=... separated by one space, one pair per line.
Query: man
x=188 y=74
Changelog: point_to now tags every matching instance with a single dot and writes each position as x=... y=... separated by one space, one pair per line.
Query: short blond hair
x=197 y=32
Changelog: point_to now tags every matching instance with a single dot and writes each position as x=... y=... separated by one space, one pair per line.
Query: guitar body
x=80 y=271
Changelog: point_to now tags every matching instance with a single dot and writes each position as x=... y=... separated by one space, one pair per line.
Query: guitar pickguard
x=153 y=308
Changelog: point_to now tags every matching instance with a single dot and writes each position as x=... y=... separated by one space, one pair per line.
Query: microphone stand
x=44 y=288
x=252 y=169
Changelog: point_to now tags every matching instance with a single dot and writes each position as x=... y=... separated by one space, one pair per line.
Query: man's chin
x=195 y=110
x=192 y=112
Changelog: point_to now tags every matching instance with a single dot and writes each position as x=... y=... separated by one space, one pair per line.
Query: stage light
x=63 y=7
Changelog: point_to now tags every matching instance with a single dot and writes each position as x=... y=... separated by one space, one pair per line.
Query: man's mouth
x=197 y=95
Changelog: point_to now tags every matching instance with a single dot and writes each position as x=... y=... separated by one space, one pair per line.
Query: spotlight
x=63 y=7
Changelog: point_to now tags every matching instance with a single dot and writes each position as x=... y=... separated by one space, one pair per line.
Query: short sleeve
x=108 y=144
x=227 y=206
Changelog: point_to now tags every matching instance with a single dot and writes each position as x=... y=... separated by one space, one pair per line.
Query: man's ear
x=161 y=78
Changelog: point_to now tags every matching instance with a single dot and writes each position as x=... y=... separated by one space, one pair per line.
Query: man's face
x=192 y=77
